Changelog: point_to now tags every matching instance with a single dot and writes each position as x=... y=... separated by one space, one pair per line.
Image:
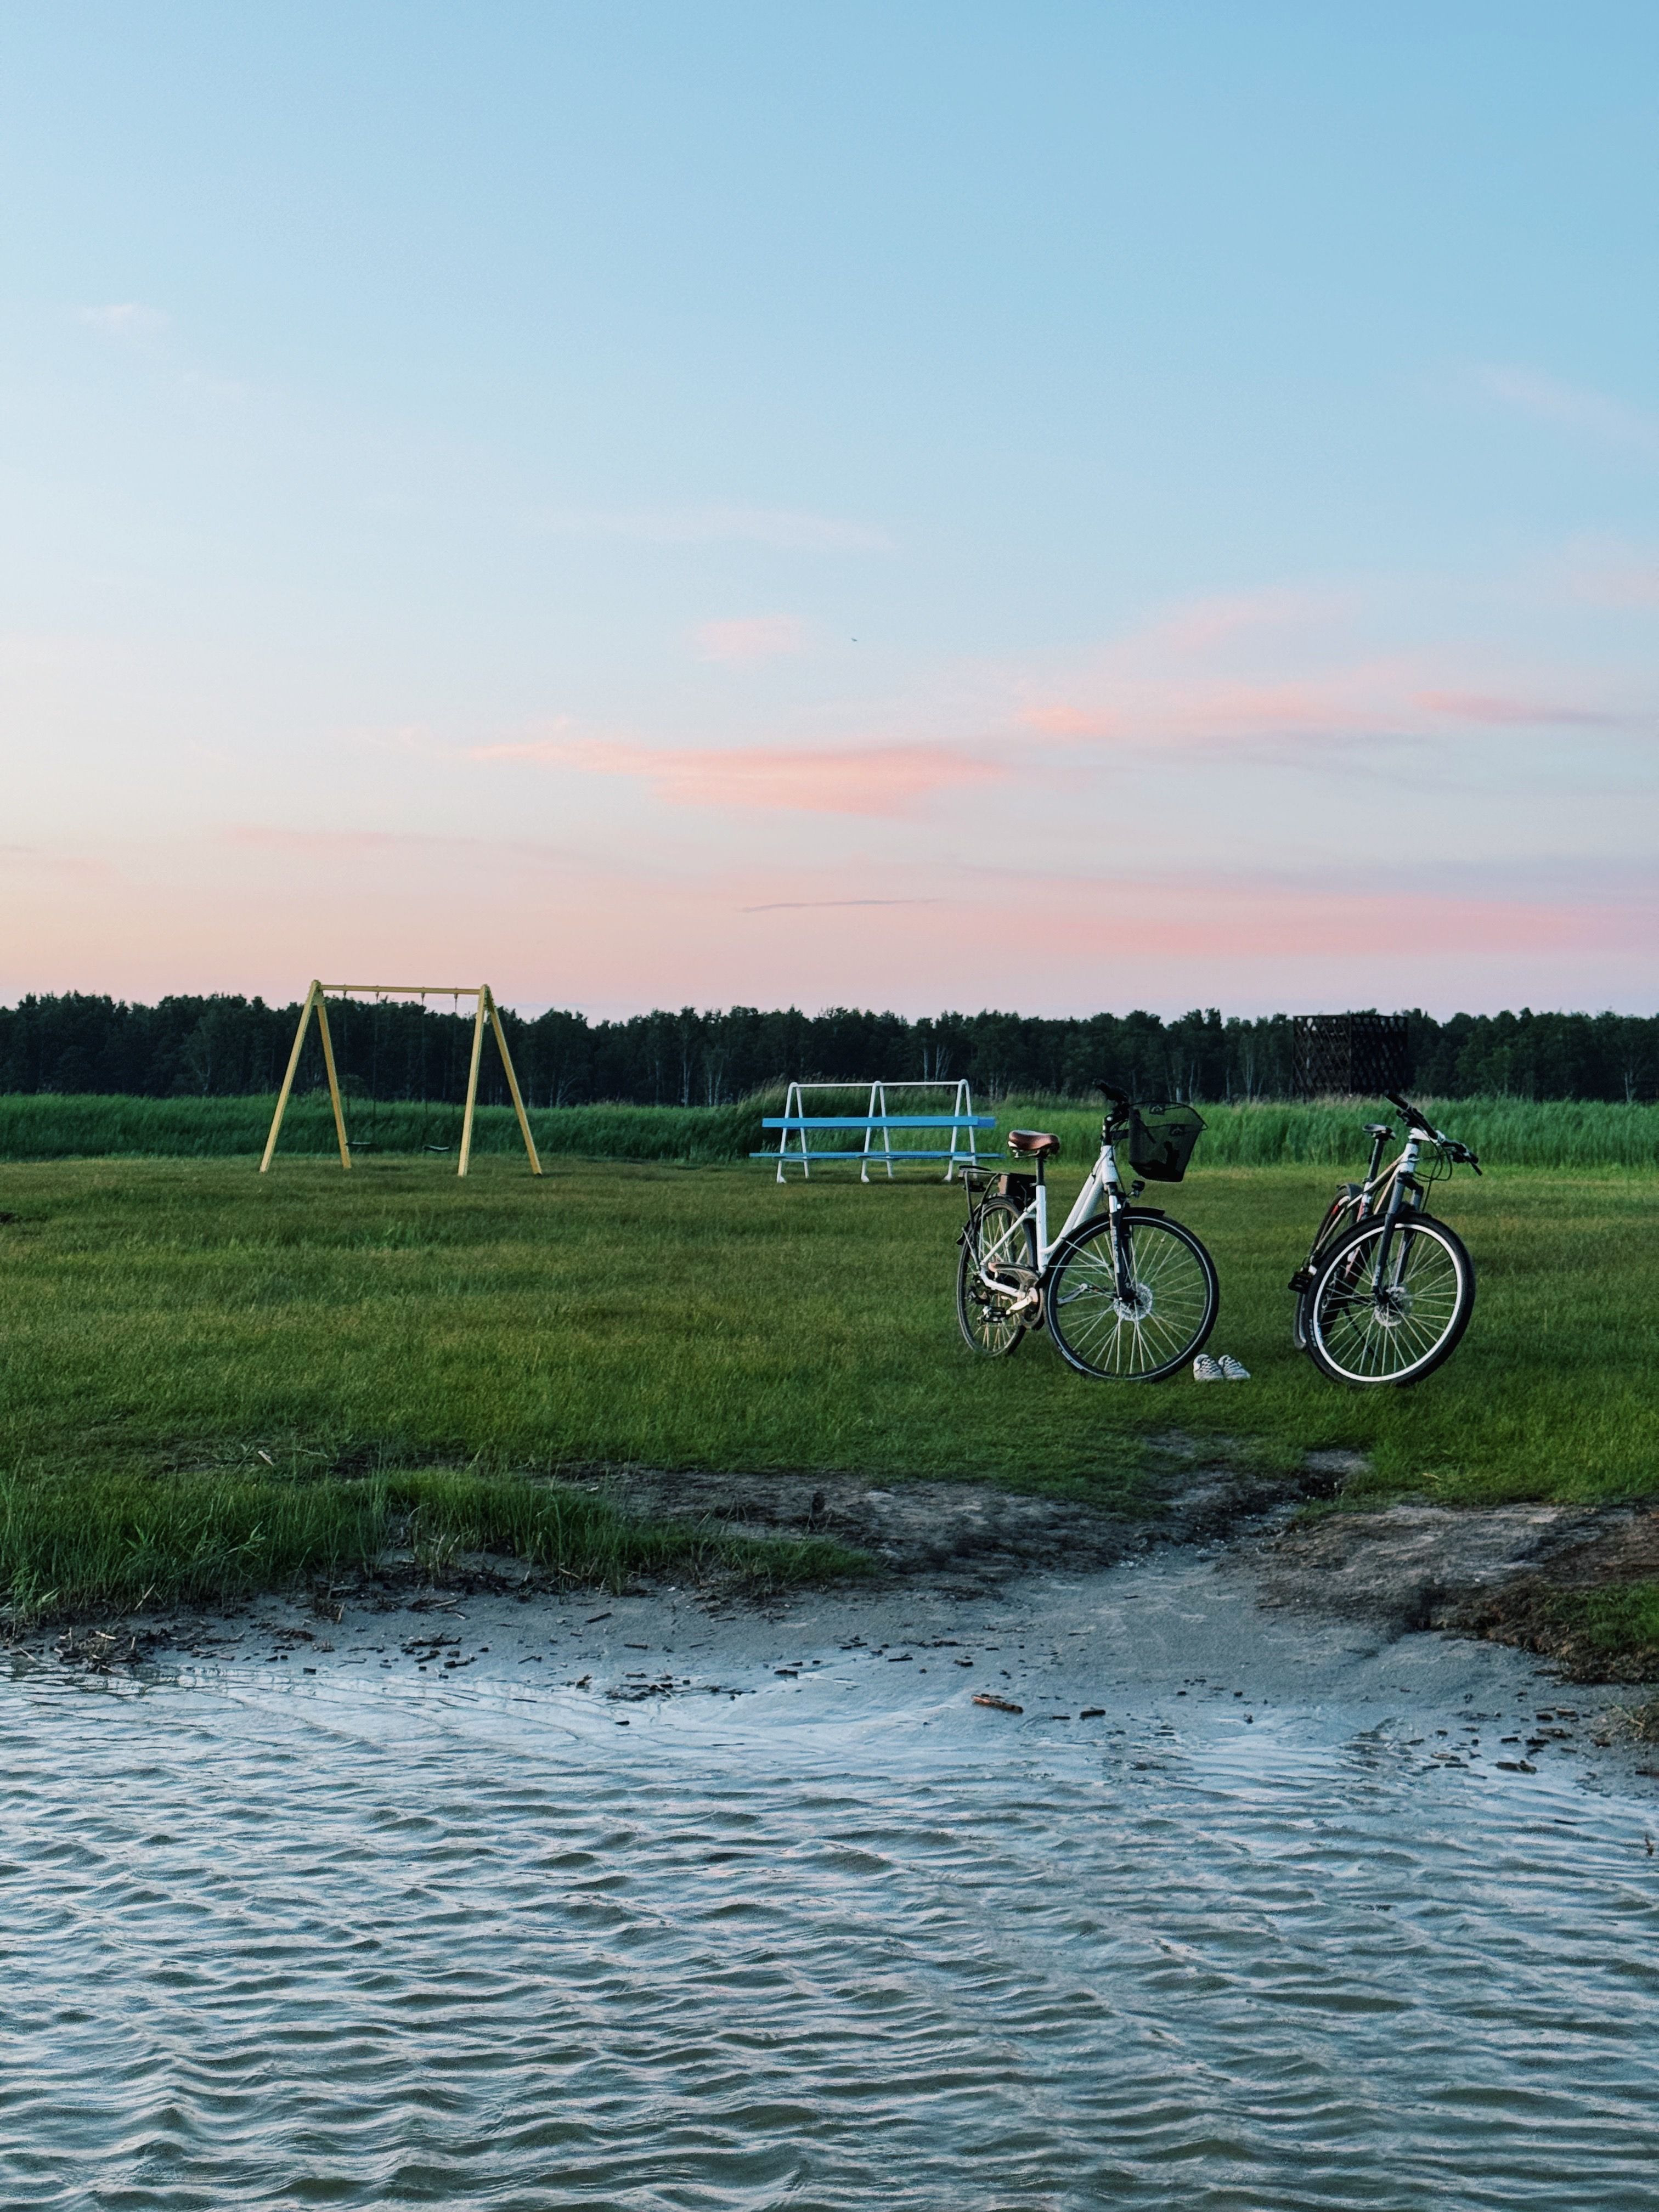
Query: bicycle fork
x=1123 y=1257
x=1405 y=1197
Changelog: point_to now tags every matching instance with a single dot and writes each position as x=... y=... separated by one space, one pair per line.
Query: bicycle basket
x=1160 y=1140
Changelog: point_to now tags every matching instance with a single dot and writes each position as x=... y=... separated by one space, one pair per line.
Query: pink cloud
x=749 y=638
x=246 y=911
x=1162 y=711
x=812 y=906
x=1618 y=580
x=1483 y=707
x=1194 y=916
x=1374 y=700
x=1573 y=407
x=1065 y=721
x=1201 y=623
x=855 y=780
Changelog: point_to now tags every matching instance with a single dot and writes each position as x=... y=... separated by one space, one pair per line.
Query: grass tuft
x=1506 y=1133
x=90 y=1543
x=1615 y=1621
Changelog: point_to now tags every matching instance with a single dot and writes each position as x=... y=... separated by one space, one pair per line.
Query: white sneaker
x=1233 y=1370
x=1205 y=1369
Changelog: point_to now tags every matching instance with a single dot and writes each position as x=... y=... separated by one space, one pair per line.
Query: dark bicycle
x=1386 y=1290
x=1126 y=1293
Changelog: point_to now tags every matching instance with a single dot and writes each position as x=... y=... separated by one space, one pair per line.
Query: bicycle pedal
x=1302 y=1280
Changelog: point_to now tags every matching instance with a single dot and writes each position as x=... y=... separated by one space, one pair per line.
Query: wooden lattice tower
x=1352 y=1055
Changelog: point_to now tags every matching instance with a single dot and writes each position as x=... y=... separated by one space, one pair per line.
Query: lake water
x=379 y=1937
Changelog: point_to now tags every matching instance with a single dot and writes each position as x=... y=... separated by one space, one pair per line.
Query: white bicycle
x=1127 y=1293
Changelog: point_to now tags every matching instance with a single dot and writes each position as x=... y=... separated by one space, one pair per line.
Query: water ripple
x=361 y=1948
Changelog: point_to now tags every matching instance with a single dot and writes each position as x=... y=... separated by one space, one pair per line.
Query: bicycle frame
x=1405 y=1195
x=1009 y=1250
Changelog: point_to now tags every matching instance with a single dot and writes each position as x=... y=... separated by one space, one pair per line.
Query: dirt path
x=975 y=1536
x=1500 y=1574
x=1497 y=1573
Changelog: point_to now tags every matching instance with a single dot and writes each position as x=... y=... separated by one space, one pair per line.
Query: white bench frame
x=795 y=1122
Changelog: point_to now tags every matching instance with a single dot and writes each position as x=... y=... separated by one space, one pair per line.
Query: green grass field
x=174 y=1331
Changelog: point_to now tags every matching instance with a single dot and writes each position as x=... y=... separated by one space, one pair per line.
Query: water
x=375 y=1938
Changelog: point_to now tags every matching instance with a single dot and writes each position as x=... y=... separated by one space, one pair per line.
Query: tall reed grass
x=1508 y=1132
x=1328 y=1133
x=40 y=1126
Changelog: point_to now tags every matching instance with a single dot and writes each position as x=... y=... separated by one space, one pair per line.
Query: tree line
x=227 y=1047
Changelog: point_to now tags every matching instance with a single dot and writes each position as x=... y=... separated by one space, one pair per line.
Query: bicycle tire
x=1354 y=1336
x=1178 y=1299
x=986 y=1322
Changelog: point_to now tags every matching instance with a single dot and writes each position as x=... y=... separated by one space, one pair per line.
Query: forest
x=79 y=1043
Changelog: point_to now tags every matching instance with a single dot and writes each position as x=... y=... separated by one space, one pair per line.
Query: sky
x=917 y=505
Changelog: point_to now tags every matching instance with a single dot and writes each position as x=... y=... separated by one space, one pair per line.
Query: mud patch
x=973 y=1535
x=1511 y=1574
x=1550 y=1611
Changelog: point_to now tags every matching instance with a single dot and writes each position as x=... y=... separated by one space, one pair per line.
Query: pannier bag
x=1160 y=1140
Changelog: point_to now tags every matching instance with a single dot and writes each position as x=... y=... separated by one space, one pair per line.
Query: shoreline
x=1047 y=1663
x=1475 y=1586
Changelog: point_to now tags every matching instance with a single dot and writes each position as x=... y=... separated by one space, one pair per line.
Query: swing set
x=487 y=1013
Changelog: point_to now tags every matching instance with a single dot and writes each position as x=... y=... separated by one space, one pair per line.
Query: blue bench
x=883 y=1154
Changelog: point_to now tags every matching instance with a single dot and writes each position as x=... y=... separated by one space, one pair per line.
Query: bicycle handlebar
x=1421 y=1123
x=1415 y=1118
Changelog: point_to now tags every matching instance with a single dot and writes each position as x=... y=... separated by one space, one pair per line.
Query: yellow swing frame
x=487 y=1010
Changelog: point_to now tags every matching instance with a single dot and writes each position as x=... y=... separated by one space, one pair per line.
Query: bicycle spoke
x=998 y=1239
x=1382 y=1332
x=1144 y=1326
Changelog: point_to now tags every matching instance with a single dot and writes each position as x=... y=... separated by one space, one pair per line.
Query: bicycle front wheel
x=995 y=1276
x=1361 y=1331
x=1146 y=1326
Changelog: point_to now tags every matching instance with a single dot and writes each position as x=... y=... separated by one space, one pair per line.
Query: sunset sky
x=921 y=505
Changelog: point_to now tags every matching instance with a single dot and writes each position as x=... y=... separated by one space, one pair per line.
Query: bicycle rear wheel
x=996 y=1270
x=1359 y=1333
x=1168 y=1312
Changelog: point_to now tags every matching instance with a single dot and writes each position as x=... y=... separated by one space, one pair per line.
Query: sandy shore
x=1486 y=1573
x=1065 y=1617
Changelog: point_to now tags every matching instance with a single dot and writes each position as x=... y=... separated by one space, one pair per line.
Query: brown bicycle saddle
x=1036 y=1143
